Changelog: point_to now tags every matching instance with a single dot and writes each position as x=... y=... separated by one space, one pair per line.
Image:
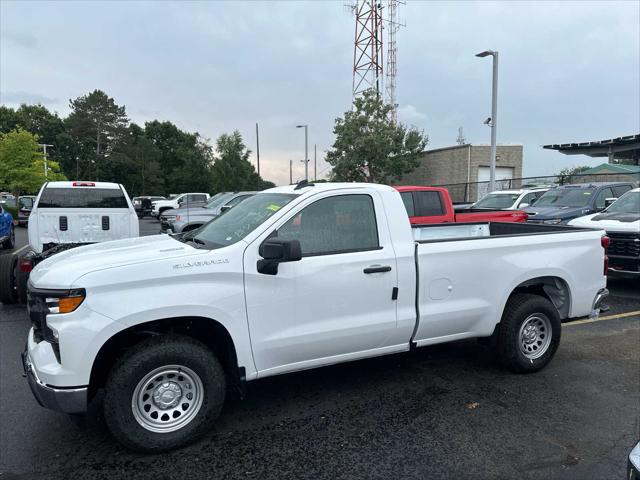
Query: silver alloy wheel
x=167 y=399
x=535 y=336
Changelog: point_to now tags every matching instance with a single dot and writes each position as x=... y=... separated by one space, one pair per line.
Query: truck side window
x=602 y=196
x=619 y=190
x=428 y=204
x=339 y=224
x=407 y=199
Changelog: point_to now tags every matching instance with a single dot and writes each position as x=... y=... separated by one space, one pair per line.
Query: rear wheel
x=529 y=333
x=164 y=393
x=8 y=270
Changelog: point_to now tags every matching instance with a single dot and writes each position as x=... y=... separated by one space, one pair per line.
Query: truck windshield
x=218 y=200
x=235 y=224
x=565 y=197
x=497 y=200
x=627 y=203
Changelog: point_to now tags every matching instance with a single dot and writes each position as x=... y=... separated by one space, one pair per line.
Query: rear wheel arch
x=553 y=288
x=206 y=330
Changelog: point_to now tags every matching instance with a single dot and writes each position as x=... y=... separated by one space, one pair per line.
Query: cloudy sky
x=569 y=71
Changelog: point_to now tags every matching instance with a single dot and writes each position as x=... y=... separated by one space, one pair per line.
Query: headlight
x=67 y=303
x=555 y=221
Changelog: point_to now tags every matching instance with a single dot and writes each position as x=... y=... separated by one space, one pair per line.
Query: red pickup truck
x=434 y=205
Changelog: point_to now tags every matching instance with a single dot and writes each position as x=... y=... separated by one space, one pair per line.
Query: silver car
x=191 y=219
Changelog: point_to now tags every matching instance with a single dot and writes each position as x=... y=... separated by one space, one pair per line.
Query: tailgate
x=81 y=225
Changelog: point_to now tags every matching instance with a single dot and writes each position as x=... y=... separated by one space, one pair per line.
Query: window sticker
x=587 y=193
x=273 y=207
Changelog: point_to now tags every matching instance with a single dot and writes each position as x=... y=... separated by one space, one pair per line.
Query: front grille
x=37 y=308
x=624 y=244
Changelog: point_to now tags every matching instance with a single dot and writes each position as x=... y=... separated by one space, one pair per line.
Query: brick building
x=465 y=164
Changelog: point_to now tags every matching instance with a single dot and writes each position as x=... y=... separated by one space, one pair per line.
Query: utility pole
x=44 y=148
x=494 y=116
x=290 y=172
x=306 y=150
x=315 y=162
x=258 y=147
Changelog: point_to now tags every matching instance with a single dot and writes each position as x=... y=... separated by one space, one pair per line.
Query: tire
x=21 y=280
x=128 y=410
x=8 y=266
x=529 y=333
x=10 y=242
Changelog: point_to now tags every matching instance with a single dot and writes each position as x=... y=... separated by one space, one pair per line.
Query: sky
x=568 y=71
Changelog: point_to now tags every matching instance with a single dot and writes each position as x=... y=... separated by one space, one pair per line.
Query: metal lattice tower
x=392 y=50
x=368 y=47
x=461 y=140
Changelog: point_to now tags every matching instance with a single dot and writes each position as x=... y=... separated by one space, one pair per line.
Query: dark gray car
x=185 y=219
x=561 y=204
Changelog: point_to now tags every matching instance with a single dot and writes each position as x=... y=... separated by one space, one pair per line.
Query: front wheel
x=164 y=393
x=529 y=333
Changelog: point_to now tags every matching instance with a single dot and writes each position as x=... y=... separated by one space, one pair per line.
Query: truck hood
x=63 y=269
x=549 y=213
x=611 y=222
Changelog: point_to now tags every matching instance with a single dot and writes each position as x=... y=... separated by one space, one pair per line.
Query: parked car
x=25 y=204
x=561 y=204
x=191 y=199
x=433 y=205
x=66 y=215
x=168 y=216
x=144 y=204
x=510 y=199
x=7 y=233
x=621 y=220
x=185 y=219
x=291 y=278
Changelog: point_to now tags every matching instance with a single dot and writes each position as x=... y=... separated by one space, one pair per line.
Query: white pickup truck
x=292 y=278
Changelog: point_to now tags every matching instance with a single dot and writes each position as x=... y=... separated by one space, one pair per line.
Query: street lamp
x=494 y=116
x=306 y=150
x=44 y=148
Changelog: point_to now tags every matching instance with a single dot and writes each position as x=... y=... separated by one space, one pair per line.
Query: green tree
x=370 y=147
x=568 y=171
x=95 y=125
x=231 y=169
x=22 y=163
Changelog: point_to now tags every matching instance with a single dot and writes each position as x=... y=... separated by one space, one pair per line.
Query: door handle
x=377 y=269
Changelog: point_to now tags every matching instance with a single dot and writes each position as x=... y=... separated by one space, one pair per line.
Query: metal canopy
x=627 y=147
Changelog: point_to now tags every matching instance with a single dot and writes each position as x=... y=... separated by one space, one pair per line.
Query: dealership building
x=465 y=164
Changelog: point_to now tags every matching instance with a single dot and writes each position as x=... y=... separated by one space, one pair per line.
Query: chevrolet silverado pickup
x=426 y=205
x=292 y=278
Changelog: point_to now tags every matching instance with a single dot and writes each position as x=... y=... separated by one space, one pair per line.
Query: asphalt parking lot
x=445 y=411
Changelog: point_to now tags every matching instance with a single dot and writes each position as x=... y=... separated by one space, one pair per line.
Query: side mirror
x=609 y=201
x=523 y=205
x=225 y=208
x=276 y=250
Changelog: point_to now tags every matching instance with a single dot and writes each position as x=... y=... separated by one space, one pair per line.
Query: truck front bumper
x=66 y=400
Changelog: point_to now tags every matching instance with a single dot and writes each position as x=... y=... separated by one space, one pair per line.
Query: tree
x=370 y=147
x=231 y=169
x=22 y=163
x=96 y=124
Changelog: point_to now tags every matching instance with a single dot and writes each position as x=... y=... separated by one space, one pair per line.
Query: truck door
x=336 y=302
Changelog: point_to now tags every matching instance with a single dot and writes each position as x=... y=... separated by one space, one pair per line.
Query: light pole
x=306 y=150
x=44 y=148
x=494 y=116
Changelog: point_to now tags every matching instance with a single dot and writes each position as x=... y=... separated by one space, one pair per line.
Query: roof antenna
x=303 y=183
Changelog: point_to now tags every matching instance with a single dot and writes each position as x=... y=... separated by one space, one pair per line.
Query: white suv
x=182 y=200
